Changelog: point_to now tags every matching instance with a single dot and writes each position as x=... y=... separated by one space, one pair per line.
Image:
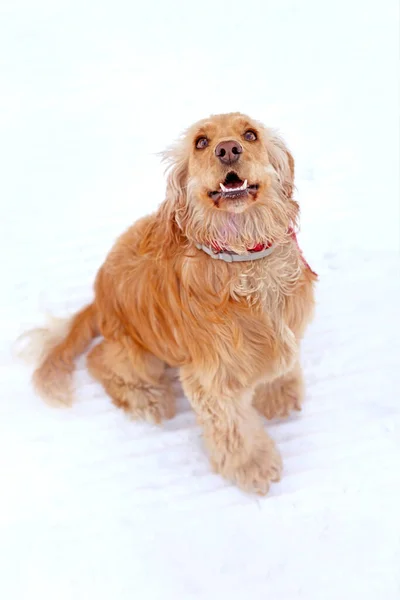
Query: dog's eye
x=201 y=143
x=250 y=135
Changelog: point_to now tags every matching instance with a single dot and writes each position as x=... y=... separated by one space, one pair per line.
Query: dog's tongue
x=232 y=181
x=234 y=184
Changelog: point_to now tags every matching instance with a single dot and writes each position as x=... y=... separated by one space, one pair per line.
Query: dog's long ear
x=282 y=161
x=176 y=194
x=164 y=234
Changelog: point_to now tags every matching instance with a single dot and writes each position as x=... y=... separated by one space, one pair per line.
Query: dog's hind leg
x=136 y=380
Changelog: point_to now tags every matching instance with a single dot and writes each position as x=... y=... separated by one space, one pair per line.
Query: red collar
x=261 y=246
x=257 y=248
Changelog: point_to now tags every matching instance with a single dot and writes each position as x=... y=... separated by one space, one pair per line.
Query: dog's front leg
x=239 y=448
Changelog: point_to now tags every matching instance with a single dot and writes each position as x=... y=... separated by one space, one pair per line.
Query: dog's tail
x=55 y=349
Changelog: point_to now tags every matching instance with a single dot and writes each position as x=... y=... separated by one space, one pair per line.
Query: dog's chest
x=265 y=282
x=251 y=284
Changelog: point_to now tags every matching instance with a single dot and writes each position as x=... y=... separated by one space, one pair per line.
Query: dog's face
x=229 y=167
x=231 y=180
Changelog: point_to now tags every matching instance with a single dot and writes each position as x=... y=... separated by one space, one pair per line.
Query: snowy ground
x=95 y=507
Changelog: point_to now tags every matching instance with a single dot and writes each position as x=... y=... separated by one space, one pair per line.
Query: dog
x=214 y=284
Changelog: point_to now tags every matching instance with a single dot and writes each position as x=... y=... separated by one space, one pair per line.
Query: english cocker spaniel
x=213 y=283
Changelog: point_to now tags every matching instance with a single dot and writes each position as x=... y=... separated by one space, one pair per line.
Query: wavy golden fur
x=232 y=329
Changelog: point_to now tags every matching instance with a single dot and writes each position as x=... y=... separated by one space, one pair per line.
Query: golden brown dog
x=213 y=283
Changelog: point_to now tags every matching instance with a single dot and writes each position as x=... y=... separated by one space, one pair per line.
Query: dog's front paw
x=253 y=470
x=280 y=397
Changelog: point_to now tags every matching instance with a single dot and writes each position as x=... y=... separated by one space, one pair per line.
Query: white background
x=94 y=506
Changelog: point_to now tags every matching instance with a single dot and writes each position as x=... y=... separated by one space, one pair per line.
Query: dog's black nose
x=228 y=152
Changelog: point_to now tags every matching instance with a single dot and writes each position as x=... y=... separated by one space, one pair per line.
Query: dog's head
x=231 y=181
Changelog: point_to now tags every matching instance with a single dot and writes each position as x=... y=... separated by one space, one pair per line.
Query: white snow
x=93 y=506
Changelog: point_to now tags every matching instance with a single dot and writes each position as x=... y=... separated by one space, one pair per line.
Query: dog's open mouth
x=233 y=188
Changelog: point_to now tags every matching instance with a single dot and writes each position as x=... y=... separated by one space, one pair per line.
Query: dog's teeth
x=240 y=188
